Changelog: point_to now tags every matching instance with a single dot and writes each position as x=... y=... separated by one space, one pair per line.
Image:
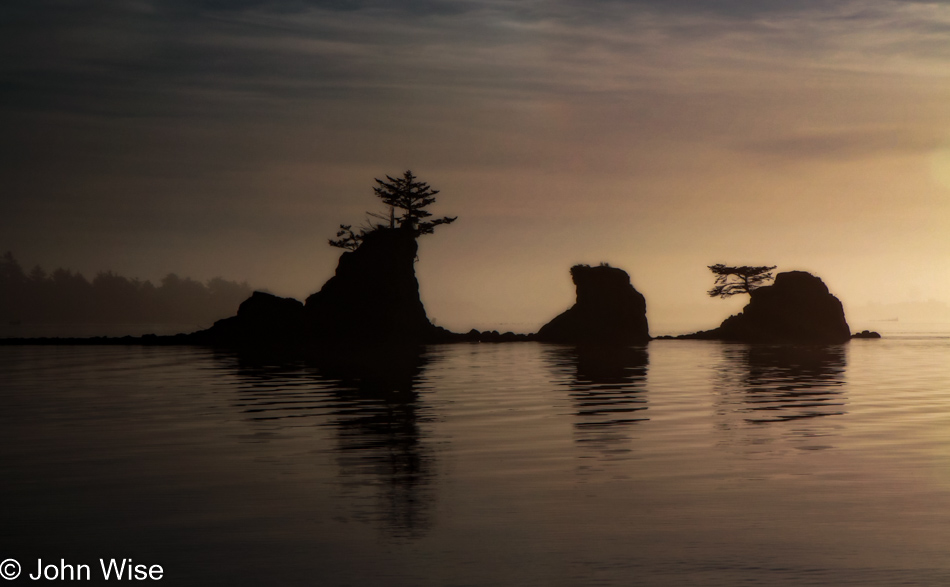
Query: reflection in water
x=607 y=386
x=371 y=399
x=140 y=452
x=763 y=384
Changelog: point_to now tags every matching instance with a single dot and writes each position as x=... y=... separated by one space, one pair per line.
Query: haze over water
x=682 y=462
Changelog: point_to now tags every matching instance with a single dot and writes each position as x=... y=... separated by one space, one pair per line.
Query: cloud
x=843 y=144
x=177 y=57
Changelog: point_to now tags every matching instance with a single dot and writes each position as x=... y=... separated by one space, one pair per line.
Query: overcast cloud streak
x=130 y=57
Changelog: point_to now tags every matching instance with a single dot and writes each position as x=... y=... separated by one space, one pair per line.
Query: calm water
x=680 y=463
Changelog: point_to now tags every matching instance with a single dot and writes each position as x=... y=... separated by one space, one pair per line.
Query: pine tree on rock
x=412 y=197
x=735 y=280
x=407 y=195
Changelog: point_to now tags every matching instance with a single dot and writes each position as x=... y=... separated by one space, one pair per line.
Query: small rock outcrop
x=608 y=310
x=262 y=319
x=866 y=334
x=796 y=308
x=374 y=295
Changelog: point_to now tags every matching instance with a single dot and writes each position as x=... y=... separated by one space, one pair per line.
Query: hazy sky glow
x=231 y=138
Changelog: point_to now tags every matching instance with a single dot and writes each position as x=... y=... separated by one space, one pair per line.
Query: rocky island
x=608 y=310
x=796 y=308
x=373 y=296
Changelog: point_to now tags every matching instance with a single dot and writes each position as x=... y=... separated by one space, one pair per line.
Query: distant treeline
x=64 y=297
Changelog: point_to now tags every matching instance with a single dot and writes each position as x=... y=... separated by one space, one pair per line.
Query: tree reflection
x=767 y=384
x=607 y=386
x=371 y=398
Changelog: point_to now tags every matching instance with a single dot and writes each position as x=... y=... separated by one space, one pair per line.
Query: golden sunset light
x=657 y=137
x=482 y=293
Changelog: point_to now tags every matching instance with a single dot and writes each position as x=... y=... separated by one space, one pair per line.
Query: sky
x=216 y=138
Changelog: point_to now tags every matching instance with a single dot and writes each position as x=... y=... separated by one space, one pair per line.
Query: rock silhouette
x=608 y=310
x=373 y=298
x=796 y=308
x=374 y=294
x=866 y=334
x=262 y=319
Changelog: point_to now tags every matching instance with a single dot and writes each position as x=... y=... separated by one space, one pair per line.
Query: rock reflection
x=607 y=388
x=372 y=401
x=764 y=384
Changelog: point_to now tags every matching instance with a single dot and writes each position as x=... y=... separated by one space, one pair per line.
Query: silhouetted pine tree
x=410 y=197
x=735 y=280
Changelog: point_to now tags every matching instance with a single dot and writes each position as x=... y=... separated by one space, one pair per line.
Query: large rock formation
x=373 y=298
x=608 y=310
x=796 y=308
x=374 y=294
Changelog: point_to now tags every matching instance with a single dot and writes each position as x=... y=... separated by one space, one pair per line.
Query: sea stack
x=608 y=310
x=374 y=296
x=796 y=308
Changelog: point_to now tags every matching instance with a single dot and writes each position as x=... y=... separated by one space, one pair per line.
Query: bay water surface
x=675 y=463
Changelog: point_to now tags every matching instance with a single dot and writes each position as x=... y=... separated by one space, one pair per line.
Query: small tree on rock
x=412 y=197
x=405 y=194
x=735 y=280
x=347 y=239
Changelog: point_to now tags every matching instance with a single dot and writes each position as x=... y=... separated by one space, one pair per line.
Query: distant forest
x=64 y=297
